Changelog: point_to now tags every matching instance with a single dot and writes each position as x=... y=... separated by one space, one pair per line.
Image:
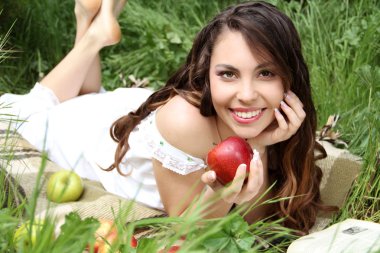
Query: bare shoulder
x=182 y=125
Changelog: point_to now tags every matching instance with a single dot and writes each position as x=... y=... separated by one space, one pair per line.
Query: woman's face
x=245 y=88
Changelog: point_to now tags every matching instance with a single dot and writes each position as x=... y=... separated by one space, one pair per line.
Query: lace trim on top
x=170 y=157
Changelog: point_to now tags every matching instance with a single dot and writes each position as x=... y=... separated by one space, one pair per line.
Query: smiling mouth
x=247 y=115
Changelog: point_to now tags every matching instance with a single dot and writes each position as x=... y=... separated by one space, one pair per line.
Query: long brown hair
x=268 y=30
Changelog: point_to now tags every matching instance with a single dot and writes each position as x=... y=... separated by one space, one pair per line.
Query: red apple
x=172 y=249
x=106 y=235
x=101 y=234
x=225 y=158
x=133 y=242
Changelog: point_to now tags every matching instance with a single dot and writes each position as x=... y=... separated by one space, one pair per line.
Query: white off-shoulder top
x=145 y=142
x=76 y=135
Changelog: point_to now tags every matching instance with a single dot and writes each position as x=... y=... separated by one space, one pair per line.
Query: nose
x=247 y=92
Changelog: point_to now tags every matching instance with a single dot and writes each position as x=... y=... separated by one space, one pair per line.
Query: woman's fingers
x=293 y=109
x=294 y=102
x=209 y=178
x=282 y=124
x=291 y=95
x=294 y=121
x=240 y=190
x=231 y=193
x=281 y=132
x=294 y=112
x=255 y=179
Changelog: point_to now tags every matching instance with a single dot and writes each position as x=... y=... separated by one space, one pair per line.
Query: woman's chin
x=248 y=135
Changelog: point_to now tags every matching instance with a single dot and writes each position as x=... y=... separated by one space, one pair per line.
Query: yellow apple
x=64 y=186
x=27 y=234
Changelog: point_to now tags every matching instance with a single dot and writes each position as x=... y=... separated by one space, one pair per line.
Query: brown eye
x=228 y=74
x=266 y=73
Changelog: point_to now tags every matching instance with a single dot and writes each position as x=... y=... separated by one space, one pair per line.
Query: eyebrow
x=260 y=66
x=227 y=66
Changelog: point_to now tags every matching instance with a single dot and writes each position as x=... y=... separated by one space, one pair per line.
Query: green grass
x=342 y=48
x=340 y=43
x=42 y=35
x=155 y=47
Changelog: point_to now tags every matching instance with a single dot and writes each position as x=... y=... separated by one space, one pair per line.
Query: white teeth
x=247 y=115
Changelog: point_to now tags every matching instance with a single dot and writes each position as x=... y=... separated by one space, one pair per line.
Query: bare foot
x=87 y=8
x=85 y=11
x=104 y=28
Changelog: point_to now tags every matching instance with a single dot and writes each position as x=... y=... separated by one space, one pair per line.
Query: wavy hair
x=292 y=163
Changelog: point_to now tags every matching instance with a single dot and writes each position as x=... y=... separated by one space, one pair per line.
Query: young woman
x=245 y=75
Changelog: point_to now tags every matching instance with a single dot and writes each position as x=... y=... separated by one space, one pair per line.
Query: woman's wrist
x=219 y=206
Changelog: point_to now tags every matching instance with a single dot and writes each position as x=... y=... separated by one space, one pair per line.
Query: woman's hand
x=237 y=191
x=283 y=129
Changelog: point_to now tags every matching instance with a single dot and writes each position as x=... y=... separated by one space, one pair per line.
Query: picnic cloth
x=22 y=162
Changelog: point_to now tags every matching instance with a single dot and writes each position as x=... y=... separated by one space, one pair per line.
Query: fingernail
x=256 y=155
x=277 y=110
x=211 y=175
x=287 y=95
x=282 y=103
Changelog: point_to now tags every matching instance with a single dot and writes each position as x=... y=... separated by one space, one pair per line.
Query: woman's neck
x=223 y=132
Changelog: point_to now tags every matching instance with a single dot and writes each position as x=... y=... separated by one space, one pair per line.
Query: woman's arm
x=181 y=125
x=178 y=191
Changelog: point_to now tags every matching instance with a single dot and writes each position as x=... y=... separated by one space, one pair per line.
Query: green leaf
x=246 y=242
x=234 y=236
x=75 y=233
x=237 y=225
x=147 y=245
x=231 y=248
x=217 y=241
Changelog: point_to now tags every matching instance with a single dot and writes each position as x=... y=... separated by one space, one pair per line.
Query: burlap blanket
x=21 y=163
